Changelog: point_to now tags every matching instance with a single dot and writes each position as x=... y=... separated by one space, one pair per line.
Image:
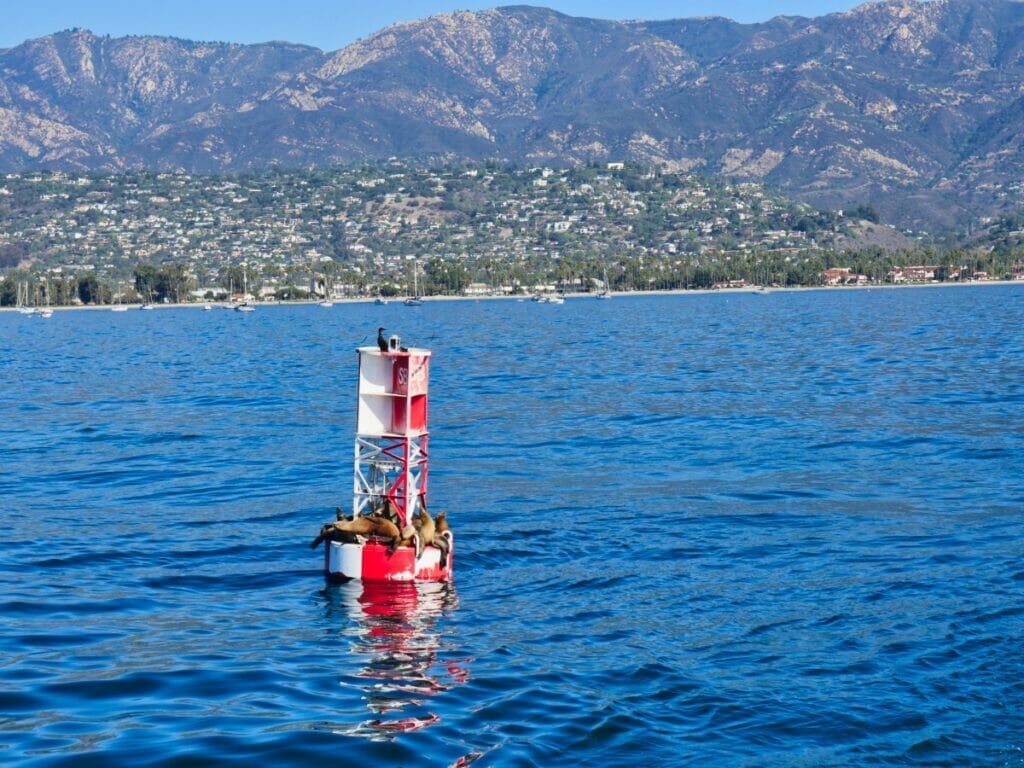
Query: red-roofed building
x=842 y=276
x=911 y=274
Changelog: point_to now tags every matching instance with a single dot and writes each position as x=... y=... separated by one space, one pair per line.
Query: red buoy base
x=371 y=562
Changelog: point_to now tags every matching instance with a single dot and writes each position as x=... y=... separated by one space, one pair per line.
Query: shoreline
x=525 y=297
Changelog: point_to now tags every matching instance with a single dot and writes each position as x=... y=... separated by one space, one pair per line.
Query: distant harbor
x=733 y=290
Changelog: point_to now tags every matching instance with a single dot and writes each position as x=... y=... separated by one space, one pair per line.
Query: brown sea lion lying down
x=349 y=530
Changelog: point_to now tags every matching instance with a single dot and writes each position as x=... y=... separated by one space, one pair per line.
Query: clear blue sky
x=332 y=24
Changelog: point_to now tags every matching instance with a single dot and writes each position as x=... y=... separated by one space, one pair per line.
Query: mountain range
x=916 y=107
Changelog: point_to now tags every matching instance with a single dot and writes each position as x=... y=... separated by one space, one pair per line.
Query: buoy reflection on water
x=397 y=636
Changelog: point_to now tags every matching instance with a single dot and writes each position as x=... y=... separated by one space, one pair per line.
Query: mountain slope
x=913 y=105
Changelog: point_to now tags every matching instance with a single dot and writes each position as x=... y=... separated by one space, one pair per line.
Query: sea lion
x=407 y=538
x=384 y=508
x=442 y=542
x=427 y=528
x=348 y=530
x=432 y=533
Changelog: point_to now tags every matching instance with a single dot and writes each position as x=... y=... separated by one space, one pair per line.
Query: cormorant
x=382 y=342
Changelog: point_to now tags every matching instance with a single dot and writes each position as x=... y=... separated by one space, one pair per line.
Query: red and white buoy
x=390 y=463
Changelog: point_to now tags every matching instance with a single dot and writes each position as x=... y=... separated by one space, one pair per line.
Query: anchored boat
x=391 y=467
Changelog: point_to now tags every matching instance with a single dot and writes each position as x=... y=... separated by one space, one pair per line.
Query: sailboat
x=119 y=307
x=245 y=306
x=415 y=300
x=762 y=289
x=326 y=303
x=46 y=312
x=604 y=293
x=23 y=306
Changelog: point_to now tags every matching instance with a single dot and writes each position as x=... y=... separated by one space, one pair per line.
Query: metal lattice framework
x=393 y=468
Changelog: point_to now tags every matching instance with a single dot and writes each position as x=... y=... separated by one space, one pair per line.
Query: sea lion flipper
x=325 y=532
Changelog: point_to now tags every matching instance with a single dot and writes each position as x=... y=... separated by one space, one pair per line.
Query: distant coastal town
x=487 y=229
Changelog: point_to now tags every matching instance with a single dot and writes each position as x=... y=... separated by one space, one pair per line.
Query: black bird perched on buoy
x=382 y=342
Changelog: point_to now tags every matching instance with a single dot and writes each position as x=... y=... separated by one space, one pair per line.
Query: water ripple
x=693 y=530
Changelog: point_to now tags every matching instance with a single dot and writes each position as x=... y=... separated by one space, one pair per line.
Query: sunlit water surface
x=779 y=529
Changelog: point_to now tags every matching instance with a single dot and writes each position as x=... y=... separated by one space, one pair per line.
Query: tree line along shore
x=170 y=286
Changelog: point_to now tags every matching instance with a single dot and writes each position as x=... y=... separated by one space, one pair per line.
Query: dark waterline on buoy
x=787 y=533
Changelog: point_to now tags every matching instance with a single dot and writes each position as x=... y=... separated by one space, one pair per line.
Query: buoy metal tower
x=391 y=465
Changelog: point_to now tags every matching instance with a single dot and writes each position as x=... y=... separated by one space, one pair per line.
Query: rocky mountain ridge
x=915 y=106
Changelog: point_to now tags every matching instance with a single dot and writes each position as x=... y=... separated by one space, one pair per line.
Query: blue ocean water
x=740 y=530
